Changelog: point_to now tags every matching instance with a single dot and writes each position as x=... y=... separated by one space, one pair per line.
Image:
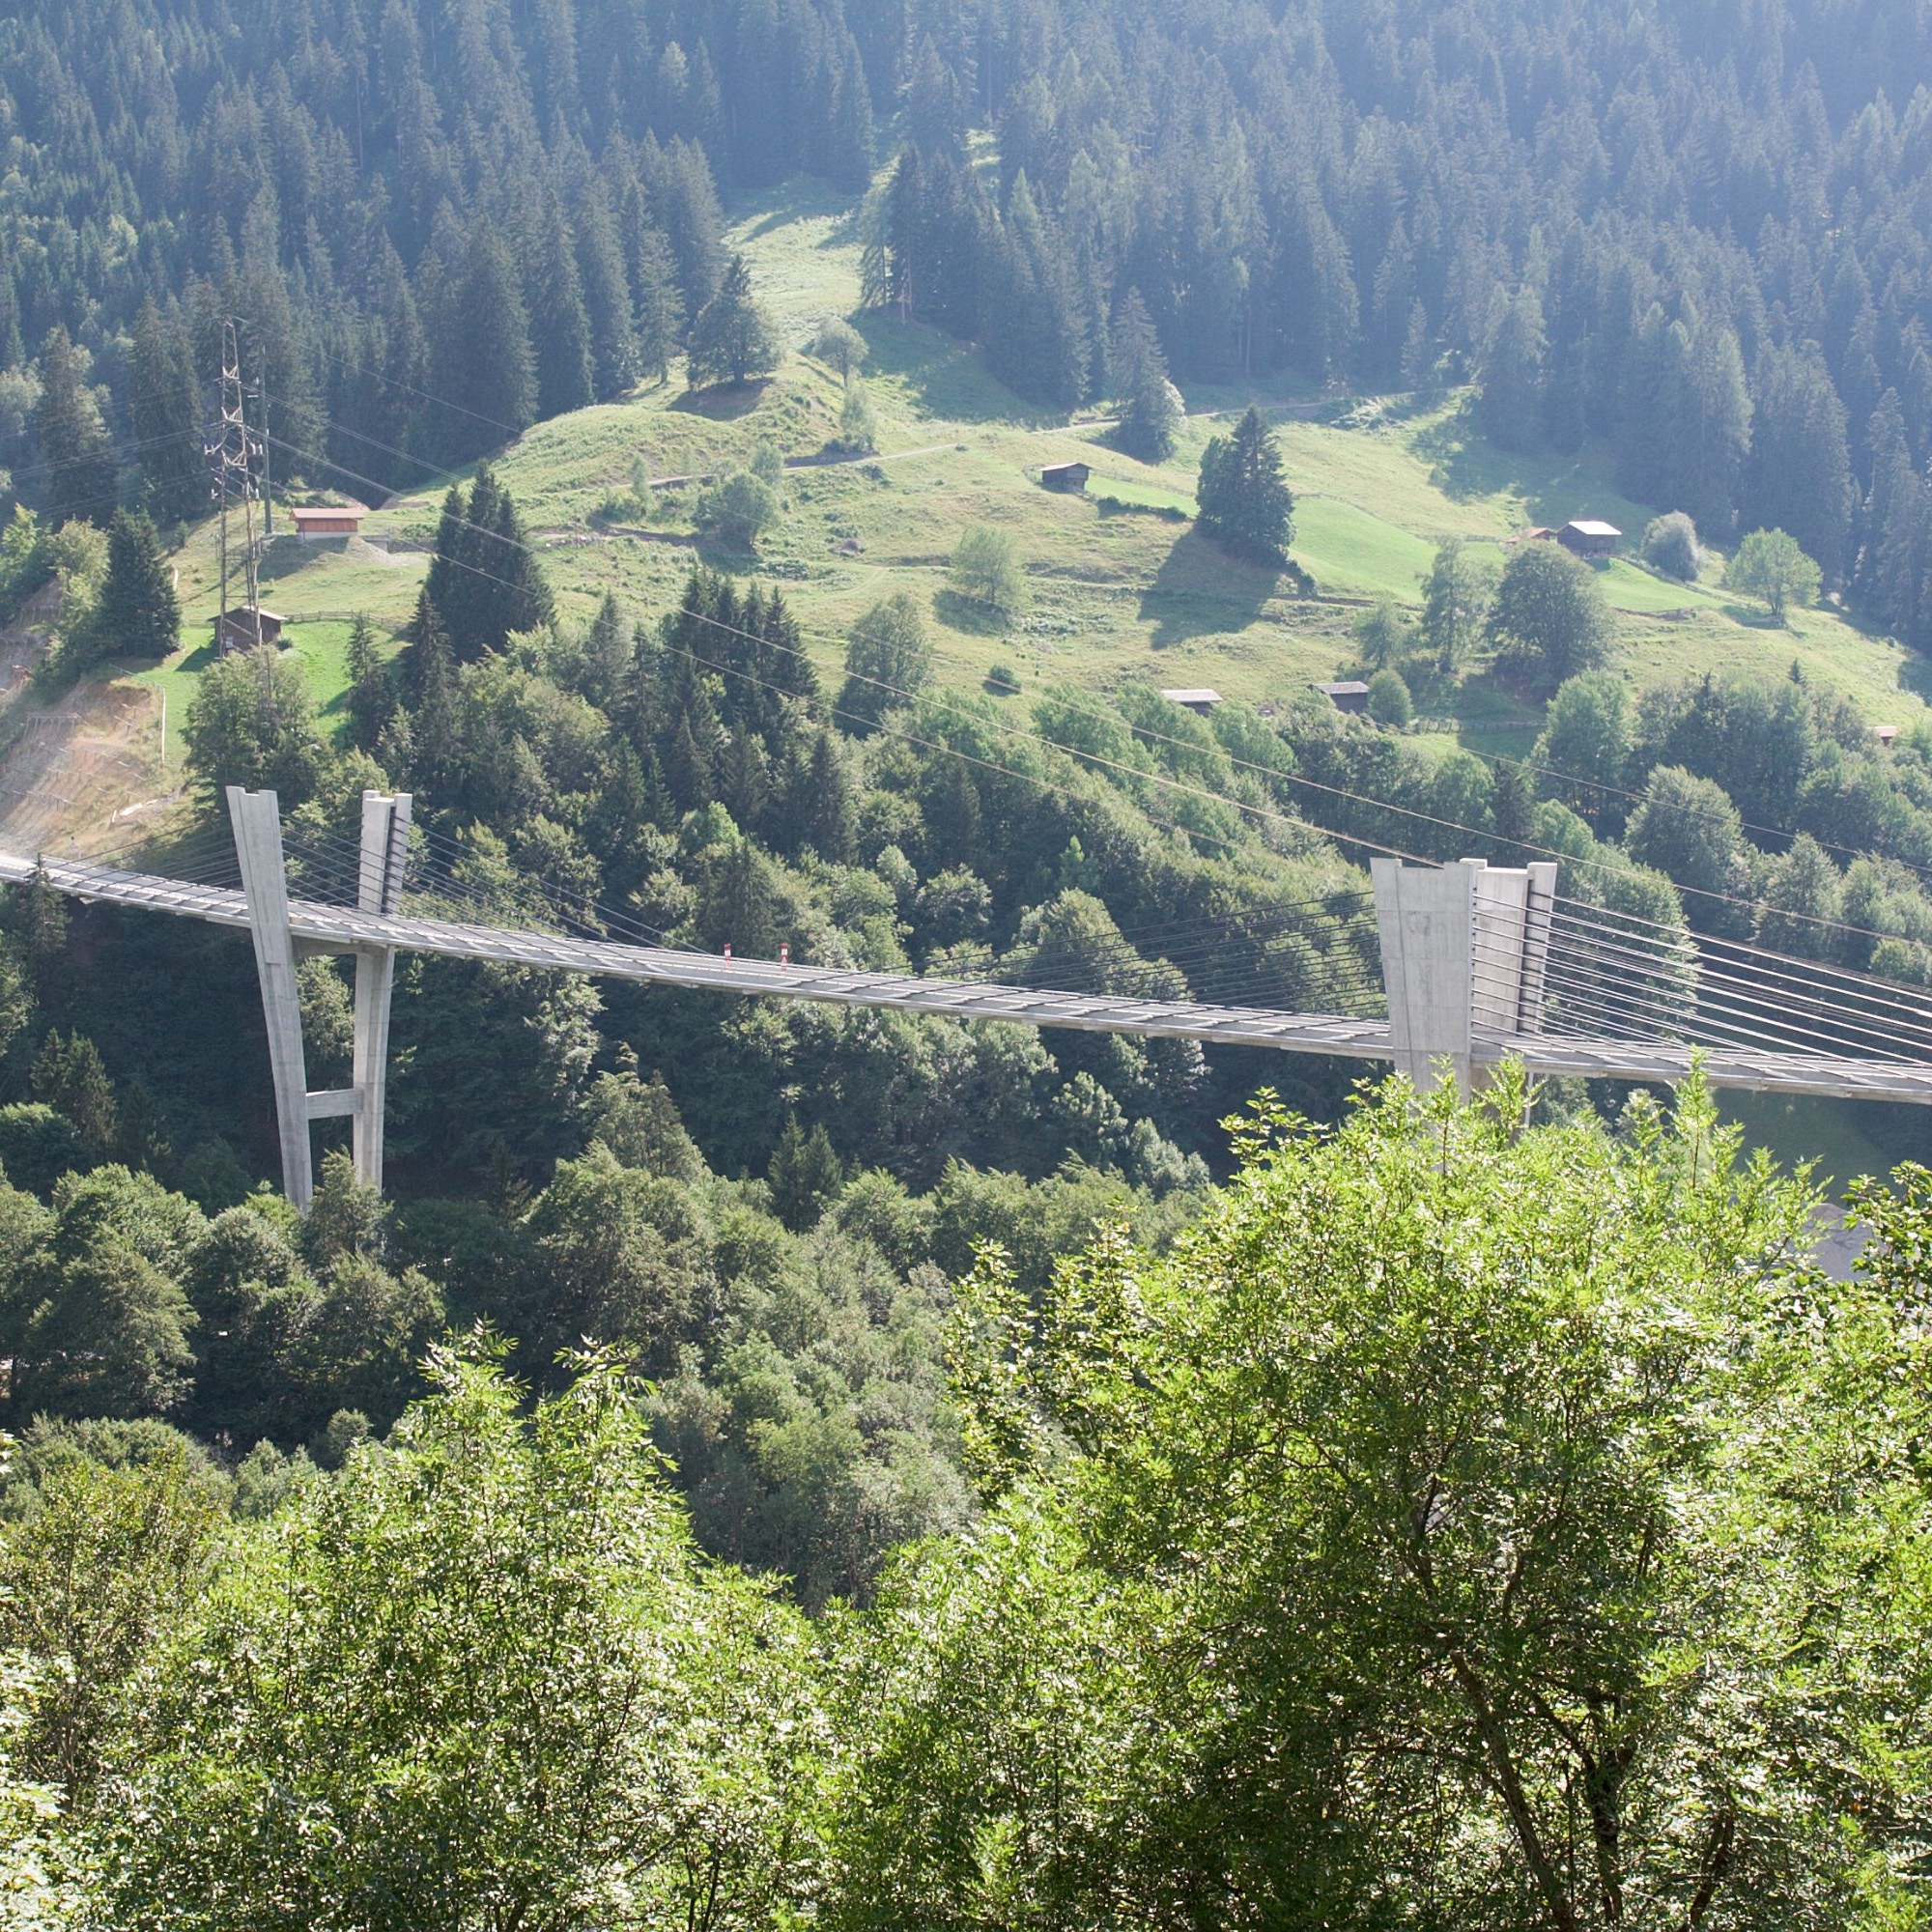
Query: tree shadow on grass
x=1464 y=466
x=803 y=197
x=1755 y=617
x=197 y=660
x=1200 y=591
x=722 y=402
x=969 y=614
x=944 y=378
x=1915 y=674
x=289 y=556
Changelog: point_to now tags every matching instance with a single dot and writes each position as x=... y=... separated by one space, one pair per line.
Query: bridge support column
x=1464 y=953
x=385 y=842
x=256 y=817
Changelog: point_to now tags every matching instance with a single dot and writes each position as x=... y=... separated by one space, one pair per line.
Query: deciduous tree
x=1769 y=566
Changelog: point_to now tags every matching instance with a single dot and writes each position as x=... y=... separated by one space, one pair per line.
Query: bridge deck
x=344 y=929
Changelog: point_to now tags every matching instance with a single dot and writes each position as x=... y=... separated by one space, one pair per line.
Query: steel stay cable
x=195 y=842
x=1581 y=1021
x=1353 y=988
x=1797 y=972
x=200 y=869
x=1583 y=1004
x=1292 y=913
x=1719 y=989
x=1737 y=1013
x=1207 y=939
x=1578 y=991
x=1713 y=1002
x=1585 y=999
x=1877 y=991
x=1716 y=986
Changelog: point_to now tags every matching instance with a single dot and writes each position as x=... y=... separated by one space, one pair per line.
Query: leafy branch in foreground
x=1456 y=1516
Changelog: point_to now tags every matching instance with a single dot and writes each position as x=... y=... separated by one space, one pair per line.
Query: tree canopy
x=1245 y=502
x=1769 y=566
x=732 y=338
x=1548 y=612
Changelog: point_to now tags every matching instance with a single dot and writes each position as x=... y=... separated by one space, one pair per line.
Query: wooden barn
x=1348 y=694
x=1587 y=537
x=235 y=630
x=335 y=521
x=1065 y=475
x=1197 y=699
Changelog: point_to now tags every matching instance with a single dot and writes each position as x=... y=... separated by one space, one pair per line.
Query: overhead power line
x=1166 y=781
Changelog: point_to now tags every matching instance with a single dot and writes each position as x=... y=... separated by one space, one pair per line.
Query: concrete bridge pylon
x=256 y=817
x=1465 y=953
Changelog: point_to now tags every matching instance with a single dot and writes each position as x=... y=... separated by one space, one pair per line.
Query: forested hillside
x=1698 y=233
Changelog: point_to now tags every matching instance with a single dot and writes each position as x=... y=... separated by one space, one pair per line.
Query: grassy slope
x=1120 y=592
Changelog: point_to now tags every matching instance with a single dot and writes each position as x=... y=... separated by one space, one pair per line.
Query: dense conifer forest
x=1699 y=234
x=775 y=1465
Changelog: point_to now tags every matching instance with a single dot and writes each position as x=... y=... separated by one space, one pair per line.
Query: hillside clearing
x=1120 y=590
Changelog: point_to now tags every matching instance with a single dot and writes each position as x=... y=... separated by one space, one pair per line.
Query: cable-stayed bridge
x=1477 y=964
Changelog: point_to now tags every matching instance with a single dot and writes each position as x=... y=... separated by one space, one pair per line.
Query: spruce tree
x=1892 y=540
x=1890 y=467
x=1799 y=474
x=482 y=362
x=683 y=203
x=734 y=339
x=70 y=1076
x=1644 y=405
x=1151 y=407
x=138 y=615
x=1245 y=504
x=609 y=647
x=559 y=327
x=741 y=912
x=484 y=579
x=434 y=731
x=851 y=133
x=73 y=445
x=744 y=783
x=371 y=696
x=1418 y=354
x=1709 y=414
x=1510 y=411
x=1038 y=337
x=657 y=307
x=805 y=1176
x=608 y=302
x=163 y=407
x=828 y=801
x=276 y=357
x=39 y=920
x=444 y=586
x=1513 y=814
x=688 y=769
x=522 y=592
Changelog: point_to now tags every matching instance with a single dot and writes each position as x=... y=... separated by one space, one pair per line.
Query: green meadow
x=1122 y=587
